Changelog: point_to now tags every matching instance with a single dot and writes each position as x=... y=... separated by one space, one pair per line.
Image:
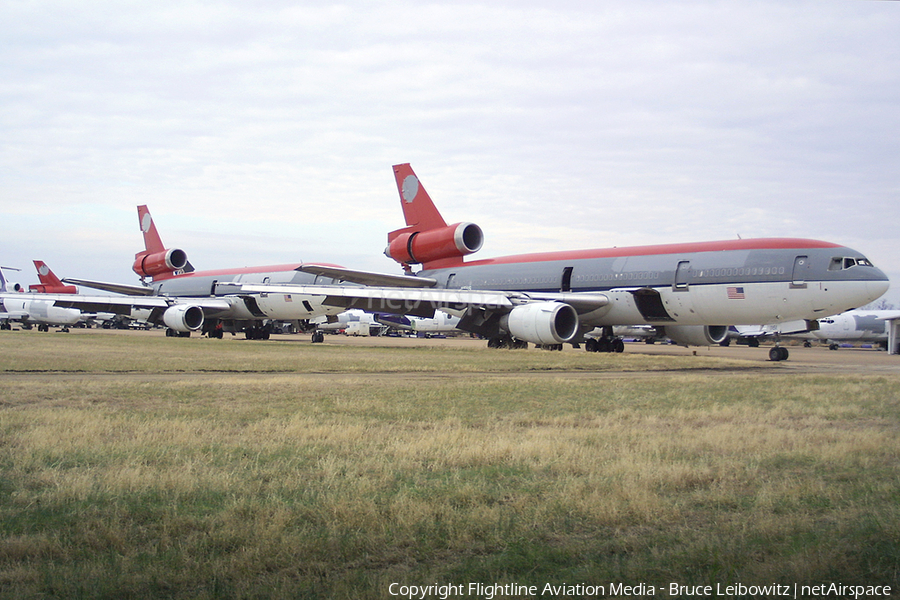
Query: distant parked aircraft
x=31 y=309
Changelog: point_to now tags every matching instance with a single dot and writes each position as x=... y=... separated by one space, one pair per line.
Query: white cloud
x=587 y=123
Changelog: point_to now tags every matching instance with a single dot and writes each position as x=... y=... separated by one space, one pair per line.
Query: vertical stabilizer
x=46 y=276
x=13 y=287
x=156 y=260
x=50 y=283
x=427 y=239
x=418 y=209
x=152 y=242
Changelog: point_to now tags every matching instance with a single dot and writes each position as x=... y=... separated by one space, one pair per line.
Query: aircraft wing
x=124 y=304
x=118 y=288
x=423 y=302
x=368 y=277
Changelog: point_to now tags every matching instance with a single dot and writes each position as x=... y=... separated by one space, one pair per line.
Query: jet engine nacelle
x=183 y=317
x=42 y=288
x=148 y=264
x=542 y=322
x=697 y=335
x=451 y=241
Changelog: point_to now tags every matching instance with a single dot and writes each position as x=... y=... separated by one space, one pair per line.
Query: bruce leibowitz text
x=492 y=591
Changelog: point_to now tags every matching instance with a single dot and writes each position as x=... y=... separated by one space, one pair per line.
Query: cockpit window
x=839 y=263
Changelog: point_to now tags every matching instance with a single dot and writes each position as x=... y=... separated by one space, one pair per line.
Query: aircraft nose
x=877 y=287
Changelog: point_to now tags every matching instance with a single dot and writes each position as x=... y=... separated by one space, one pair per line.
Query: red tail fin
x=418 y=209
x=152 y=243
x=156 y=260
x=46 y=276
x=427 y=239
x=50 y=283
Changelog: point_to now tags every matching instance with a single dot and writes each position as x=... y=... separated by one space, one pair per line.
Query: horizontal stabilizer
x=117 y=288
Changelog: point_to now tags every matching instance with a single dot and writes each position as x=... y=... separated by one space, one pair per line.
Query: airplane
x=352 y=322
x=855 y=326
x=690 y=292
x=852 y=326
x=440 y=323
x=186 y=300
x=32 y=309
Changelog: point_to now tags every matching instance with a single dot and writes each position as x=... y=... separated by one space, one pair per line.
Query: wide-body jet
x=692 y=291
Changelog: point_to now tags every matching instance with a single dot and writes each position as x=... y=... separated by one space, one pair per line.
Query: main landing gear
x=507 y=342
x=608 y=342
x=604 y=344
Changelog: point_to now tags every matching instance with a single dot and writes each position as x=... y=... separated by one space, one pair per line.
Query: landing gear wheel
x=778 y=354
x=318 y=337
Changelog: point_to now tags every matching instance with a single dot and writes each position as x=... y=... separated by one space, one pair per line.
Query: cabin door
x=682 y=276
x=798 y=277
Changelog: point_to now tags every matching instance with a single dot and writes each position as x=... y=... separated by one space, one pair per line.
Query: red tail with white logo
x=427 y=239
x=156 y=260
x=50 y=283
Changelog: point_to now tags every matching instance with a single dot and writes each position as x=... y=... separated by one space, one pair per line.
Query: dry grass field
x=138 y=466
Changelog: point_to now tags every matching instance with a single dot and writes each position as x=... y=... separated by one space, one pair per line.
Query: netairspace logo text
x=490 y=591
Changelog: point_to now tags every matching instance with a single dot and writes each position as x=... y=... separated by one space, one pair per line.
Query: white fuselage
x=27 y=309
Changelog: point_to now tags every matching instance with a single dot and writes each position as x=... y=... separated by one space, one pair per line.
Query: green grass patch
x=284 y=484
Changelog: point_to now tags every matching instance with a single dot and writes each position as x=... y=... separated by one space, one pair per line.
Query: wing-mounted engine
x=152 y=264
x=696 y=335
x=542 y=322
x=183 y=317
x=444 y=245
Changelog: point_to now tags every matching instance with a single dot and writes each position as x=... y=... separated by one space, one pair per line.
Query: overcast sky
x=264 y=133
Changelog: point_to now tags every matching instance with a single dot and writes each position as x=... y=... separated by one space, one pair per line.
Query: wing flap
x=423 y=302
x=124 y=304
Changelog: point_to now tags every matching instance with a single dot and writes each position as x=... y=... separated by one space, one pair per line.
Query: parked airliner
x=852 y=326
x=33 y=308
x=186 y=300
x=691 y=292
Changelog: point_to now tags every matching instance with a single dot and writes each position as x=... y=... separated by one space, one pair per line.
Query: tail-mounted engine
x=697 y=335
x=421 y=247
x=147 y=264
x=542 y=322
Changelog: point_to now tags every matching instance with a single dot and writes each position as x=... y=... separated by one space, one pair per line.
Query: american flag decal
x=735 y=293
x=287 y=298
